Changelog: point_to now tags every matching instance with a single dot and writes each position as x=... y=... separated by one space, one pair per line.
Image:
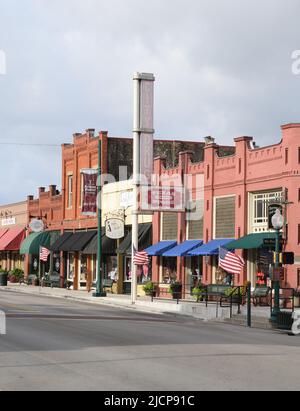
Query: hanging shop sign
x=115 y=228
x=37 y=226
x=90 y=191
x=163 y=199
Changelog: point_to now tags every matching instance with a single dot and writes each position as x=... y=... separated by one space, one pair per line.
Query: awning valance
x=145 y=237
x=211 y=248
x=108 y=246
x=251 y=241
x=77 y=241
x=32 y=244
x=12 y=239
x=160 y=248
x=183 y=249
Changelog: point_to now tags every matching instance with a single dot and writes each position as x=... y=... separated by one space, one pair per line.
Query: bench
x=215 y=290
x=30 y=280
x=261 y=296
x=51 y=280
x=107 y=283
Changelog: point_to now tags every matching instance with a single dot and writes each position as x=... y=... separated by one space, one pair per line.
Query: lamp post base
x=100 y=295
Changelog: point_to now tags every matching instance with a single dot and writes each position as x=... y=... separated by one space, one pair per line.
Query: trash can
x=3 y=279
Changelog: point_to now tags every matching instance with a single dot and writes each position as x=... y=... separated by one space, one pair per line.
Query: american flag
x=230 y=262
x=141 y=258
x=44 y=254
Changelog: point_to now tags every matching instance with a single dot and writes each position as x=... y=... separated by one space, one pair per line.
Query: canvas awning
x=77 y=241
x=211 y=248
x=12 y=239
x=251 y=241
x=183 y=249
x=160 y=248
x=108 y=246
x=32 y=244
x=145 y=234
x=60 y=241
x=3 y=231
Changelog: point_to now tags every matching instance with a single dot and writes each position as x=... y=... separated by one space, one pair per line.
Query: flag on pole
x=44 y=254
x=230 y=262
x=141 y=258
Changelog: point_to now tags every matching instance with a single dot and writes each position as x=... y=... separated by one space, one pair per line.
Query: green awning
x=32 y=244
x=251 y=241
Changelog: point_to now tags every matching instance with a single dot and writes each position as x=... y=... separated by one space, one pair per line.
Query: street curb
x=136 y=308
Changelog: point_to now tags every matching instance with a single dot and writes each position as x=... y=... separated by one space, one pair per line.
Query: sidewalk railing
x=222 y=296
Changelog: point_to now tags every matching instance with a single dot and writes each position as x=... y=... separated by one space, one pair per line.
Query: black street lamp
x=277 y=223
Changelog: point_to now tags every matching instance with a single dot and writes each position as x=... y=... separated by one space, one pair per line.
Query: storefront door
x=71 y=268
x=83 y=271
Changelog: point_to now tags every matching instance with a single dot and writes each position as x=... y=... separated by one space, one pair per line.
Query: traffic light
x=288 y=258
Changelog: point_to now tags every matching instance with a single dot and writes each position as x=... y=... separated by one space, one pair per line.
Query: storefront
x=125 y=251
x=109 y=263
x=257 y=254
x=191 y=264
x=10 y=242
x=75 y=267
x=31 y=246
x=209 y=253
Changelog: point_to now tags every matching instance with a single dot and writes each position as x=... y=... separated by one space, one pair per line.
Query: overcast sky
x=223 y=68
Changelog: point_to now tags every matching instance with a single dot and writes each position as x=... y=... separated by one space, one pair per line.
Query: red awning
x=3 y=231
x=12 y=239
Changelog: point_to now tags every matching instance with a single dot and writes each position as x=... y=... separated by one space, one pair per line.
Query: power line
x=30 y=144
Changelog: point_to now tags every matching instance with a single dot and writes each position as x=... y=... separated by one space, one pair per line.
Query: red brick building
x=237 y=189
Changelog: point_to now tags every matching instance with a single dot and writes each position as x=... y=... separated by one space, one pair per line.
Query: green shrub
x=149 y=288
x=17 y=273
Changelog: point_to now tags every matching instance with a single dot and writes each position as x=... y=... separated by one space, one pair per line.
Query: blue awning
x=211 y=248
x=160 y=248
x=183 y=249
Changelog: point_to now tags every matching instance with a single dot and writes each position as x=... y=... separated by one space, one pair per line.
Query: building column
x=76 y=272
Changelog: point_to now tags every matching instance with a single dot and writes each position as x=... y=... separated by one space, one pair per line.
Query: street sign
x=271 y=242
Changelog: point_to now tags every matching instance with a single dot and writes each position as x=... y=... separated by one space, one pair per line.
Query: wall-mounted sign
x=127 y=199
x=90 y=191
x=162 y=199
x=146 y=120
x=115 y=228
x=8 y=221
x=37 y=226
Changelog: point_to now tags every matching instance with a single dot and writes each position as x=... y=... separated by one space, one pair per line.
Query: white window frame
x=70 y=191
x=256 y=227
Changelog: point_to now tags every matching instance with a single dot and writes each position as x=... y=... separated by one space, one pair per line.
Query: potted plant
x=149 y=289
x=16 y=276
x=176 y=290
x=198 y=292
x=297 y=297
x=235 y=293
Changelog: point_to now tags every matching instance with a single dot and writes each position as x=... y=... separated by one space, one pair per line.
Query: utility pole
x=142 y=132
x=99 y=289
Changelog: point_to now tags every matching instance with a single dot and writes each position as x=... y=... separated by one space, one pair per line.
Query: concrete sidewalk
x=143 y=304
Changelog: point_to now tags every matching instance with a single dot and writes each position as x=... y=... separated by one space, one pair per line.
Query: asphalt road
x=56 y=344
